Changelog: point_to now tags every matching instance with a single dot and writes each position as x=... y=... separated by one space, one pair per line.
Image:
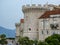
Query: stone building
x=40 y=21
x=19 y=29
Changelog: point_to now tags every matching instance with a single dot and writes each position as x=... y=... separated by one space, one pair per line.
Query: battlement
x=33 y=6
x=39 y=6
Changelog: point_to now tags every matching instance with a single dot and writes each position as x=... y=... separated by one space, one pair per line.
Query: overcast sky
x=11 y=10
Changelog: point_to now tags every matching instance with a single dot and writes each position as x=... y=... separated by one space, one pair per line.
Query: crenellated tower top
x=34 y=6
x=39 y=6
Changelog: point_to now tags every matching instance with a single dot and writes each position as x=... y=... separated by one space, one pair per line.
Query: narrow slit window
x=42 y=32
x=47 y=32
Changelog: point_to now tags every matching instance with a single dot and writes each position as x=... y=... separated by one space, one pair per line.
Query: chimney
x=22 y=20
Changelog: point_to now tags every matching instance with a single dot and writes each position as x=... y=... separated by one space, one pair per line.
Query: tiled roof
x=22 y=20
x=48 y=13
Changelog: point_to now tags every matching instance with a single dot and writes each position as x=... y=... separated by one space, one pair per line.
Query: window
x=41 y=22
x=29 y=29
x=54 y=26
x=47 y=32
x=21 y=30
x=37 y=29
x=42 y=32
x=53 y=33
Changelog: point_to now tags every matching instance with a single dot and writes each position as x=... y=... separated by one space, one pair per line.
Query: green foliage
x=51 y=40
x=31 y=42
x=3 y=39
x=3 y=35
x=35 y=42
x=42 y=43
x=25 y=41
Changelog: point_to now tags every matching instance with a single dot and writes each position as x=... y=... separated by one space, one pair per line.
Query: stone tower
x=17 y=31
x=31 y=15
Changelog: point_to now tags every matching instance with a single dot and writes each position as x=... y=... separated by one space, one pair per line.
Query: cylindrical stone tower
x=31 y=15
x=17 y=31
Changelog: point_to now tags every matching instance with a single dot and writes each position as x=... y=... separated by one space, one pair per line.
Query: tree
x=3 y=39
x=31 y=42
x=53 y=39
x=42 y=43
x=35 y=42
x=25 y=41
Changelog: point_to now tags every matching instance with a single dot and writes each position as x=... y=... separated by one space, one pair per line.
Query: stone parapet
x=33 y=6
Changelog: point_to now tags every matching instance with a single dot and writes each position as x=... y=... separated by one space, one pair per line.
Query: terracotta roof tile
x=48 y=13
